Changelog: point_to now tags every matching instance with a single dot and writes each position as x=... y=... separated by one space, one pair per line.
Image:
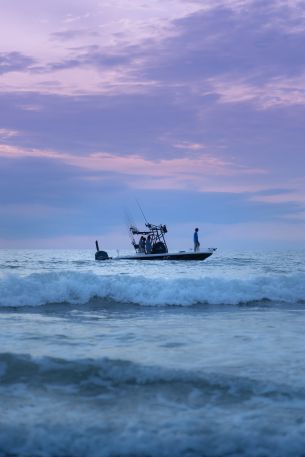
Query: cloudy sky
x=195 y=107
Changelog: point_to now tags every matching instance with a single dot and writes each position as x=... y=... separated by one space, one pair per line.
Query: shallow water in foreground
x=158 y=359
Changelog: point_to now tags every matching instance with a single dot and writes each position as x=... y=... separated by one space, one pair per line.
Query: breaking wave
x=91 y=375
x=78 y=288
x=103 y=408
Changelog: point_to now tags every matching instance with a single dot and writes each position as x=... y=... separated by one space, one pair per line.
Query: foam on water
x=79 y=288
x=125 y=409
x=90 y=380
x=88 y=374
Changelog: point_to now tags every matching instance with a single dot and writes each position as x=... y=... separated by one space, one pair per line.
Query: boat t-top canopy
x=155 y=235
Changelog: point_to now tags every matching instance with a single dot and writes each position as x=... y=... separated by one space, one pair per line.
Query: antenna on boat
x=141 y=211
x=128 y=218
x=131 y=227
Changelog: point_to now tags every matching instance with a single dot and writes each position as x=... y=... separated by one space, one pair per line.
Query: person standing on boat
x=148 y=245
x=196 y=240
x=142 y=244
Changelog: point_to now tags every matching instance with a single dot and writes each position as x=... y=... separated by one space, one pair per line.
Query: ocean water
x=122 y=358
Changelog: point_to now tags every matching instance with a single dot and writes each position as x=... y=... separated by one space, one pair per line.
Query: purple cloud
x=202 y=109
x=15 y=61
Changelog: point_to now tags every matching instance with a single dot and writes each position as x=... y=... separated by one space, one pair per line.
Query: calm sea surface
x=139 y=359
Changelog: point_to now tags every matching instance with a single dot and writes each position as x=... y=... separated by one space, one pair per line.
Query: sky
x=196 y=108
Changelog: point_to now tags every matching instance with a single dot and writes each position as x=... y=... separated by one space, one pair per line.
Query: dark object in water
x=100 y=255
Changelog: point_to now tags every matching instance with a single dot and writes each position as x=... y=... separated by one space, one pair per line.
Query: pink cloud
x=202 y=172
x=203 y=164
x=285 y=197
x=270 y=233
x=8 y=133
x=113 y=24
x=276 y=91
x=187 y=145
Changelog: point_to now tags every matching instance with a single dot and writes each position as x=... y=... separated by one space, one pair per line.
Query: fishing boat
x=150 y=244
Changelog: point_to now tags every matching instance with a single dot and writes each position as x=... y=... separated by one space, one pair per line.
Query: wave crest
x=87 y=374
x=79 y=288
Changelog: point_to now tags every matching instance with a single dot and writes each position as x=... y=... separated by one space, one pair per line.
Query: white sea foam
x=119 y=380
x=80 y=287
x=116 y=373
x=122 y=408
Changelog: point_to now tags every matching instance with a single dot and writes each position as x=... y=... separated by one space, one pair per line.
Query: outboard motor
x=100 y=255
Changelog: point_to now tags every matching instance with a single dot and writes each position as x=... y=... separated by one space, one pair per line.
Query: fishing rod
x=141 y=211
